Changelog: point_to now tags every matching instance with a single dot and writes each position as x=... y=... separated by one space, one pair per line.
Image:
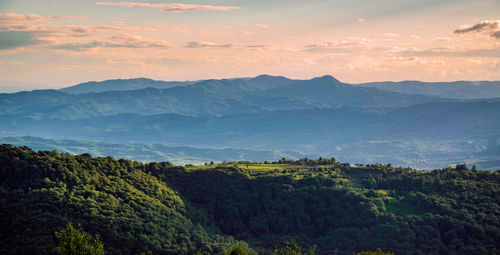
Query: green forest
x=322 y=206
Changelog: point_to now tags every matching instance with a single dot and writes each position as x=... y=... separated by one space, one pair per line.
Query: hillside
x=180 y=155
x=452 y=90
x=205 y=98
x=166 y=209
x=425 y=136
x=318 y=117
x=121 y=85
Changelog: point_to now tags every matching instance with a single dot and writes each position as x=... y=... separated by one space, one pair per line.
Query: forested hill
x=169 y=209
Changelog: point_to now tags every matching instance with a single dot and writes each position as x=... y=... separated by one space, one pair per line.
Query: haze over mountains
x=423 y=125
x=121 y=85
x=456 y=90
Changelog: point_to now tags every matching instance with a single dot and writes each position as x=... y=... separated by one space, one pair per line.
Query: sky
x=58 y=43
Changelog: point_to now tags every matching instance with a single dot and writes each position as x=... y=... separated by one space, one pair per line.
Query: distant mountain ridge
x=148 y=152
x=122 y=85
x=322 y=116
x=432 y=132
x=451 y=90
x=205 y=98
x=454 y=90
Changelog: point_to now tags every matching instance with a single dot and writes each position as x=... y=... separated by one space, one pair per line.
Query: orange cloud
x=491 y=27
x=172 y=7
x=117 y=41
x=211 y=45
x=196 y=44
x=19 y=31
x=8 y=18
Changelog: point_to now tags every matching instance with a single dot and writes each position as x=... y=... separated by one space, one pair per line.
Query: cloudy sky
x=56 y=43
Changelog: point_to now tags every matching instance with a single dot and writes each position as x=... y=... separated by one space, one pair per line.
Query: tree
x=292 y=248
x=74 y=241
x=377 y=252
x=239 y=248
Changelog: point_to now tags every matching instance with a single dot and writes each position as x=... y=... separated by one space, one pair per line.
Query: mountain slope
x=121 y=85
x=428 y=135
x=454 y=90
x=206 y=98
x=329 y=92
x=431 y=120
x=180 y=155
x=132 y=211
x=165 y=209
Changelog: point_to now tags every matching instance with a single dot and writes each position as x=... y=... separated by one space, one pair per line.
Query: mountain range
x=456 y=90
x=423 y=125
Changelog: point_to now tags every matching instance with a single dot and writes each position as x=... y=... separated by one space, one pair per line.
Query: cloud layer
x=117 y=41
x=23 y=30
x=172 y=7
x=491 y=27
x=196 y=44
x=7 y=18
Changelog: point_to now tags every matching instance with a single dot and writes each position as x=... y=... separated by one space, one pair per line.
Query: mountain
x=148 y=152
x=426 y=136
x=122 y=85
x=330 y=92
x=320 y=116
x=454 y=90
x=206 y=98
x=160 y=208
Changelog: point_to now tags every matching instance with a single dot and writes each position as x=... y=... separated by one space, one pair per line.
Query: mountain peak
x=266 y=77
x=328 y=78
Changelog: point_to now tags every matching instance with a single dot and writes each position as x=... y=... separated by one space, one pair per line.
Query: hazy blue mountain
x=206 y=98
x=122 y=85
x=455 y=90
x=330 y=92
x=148 y=152
x=321 y=116
x=195 y=101
x=425 y=136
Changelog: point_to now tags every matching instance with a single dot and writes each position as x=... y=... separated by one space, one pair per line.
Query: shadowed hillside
x=167 y=209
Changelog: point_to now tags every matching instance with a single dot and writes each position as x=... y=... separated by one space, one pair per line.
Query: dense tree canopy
x=74 y=241
x=168 y=209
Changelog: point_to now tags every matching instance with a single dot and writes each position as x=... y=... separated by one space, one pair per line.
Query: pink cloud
x=390 y=35
x=172 y=7
x=117 y=41
x=491 y=27
x=21 y=32
x=211 y=45
x=485 y=25
x=196 y=44
x=7 y=18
